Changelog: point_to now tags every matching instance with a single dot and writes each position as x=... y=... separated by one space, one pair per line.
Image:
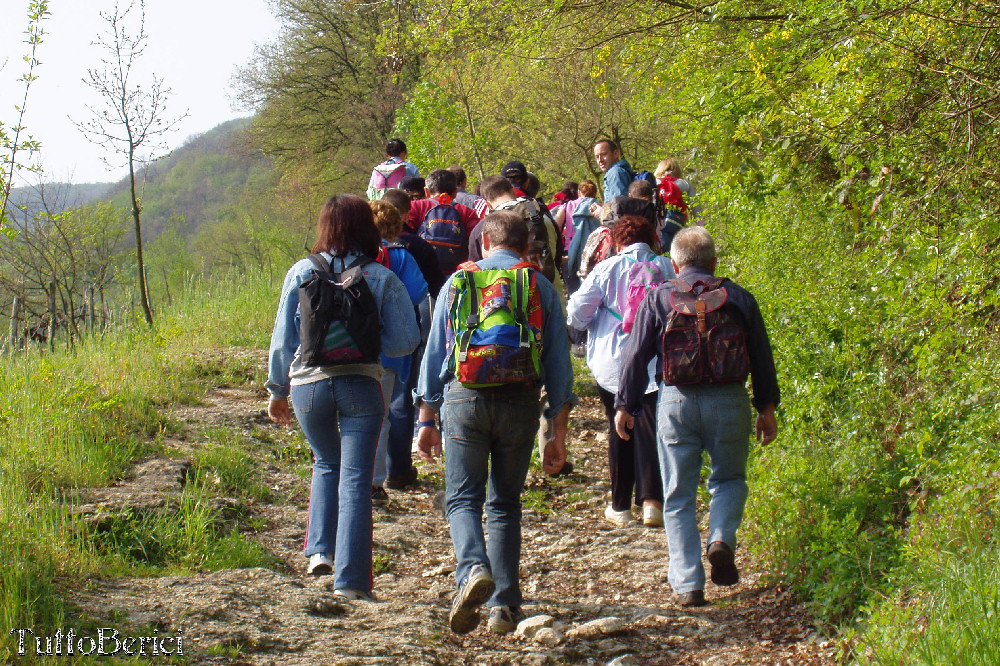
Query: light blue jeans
x=341 y=417
x=715 y=418
x=489 y=437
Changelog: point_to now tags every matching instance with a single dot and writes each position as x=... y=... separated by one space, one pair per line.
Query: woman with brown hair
x=600 y=306
x=339 y=406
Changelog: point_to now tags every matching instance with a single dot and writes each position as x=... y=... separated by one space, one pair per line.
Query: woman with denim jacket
x=339 y=407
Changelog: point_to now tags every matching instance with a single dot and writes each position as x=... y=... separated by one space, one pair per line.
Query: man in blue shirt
x=617 y=171
x=491 y=435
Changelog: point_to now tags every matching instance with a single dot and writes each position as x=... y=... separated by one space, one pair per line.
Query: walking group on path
x=432 y=308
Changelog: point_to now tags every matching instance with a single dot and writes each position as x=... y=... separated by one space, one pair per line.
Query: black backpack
x=339 y=322
x=539 y=250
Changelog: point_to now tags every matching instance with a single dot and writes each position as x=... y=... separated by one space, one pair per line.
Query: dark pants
x=633 y=463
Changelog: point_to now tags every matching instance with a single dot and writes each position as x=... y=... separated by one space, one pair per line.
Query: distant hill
x=57 y=196
x=187 y=188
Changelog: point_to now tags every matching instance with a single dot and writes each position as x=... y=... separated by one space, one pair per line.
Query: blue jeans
x=389 y=381
x=690 y=419
x=341 y=417
x=401 y=413
x=489 y=437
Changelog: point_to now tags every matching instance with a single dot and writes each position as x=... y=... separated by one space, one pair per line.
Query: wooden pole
x=52 y=316
x=15 y=323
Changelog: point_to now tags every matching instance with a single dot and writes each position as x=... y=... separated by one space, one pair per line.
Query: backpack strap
x=320 y=263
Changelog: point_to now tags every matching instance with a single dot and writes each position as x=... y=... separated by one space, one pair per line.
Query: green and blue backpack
x=495 y=326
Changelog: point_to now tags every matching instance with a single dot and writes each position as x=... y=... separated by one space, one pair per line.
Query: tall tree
x=134 y=115
x=331 y=85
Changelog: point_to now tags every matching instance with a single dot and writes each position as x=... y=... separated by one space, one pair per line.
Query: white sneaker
x=319 y=565
x=619 y=518
x=652 y=516
x=354 y=595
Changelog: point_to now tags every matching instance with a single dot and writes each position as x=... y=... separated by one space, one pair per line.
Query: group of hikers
x=435 y=310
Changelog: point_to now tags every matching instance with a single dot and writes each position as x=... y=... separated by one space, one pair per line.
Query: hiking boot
x=652 y=516
x=692 y=599
x=354 y=595
x=619 y=518
x=580 y=350
x=379 y=494
x=319 y=565
x=724 y=571
x=472 y=593
x=400 y=481
x=504 y=619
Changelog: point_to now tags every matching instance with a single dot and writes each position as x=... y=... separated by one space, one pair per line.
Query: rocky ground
x=595 y=593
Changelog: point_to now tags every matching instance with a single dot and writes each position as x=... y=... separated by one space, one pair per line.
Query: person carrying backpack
x=396 y=258
x=542 y=235
x=441 y=222
x=497 y=336
x=604 y=306
x=332 y=323
x=706 y=335
x=675 y=195
x=390 y=173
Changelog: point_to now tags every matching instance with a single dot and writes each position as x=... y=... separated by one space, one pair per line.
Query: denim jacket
x=597 y=307
x=557 y=371
x=400 y=334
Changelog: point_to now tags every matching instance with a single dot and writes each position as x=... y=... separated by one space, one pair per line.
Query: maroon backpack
x=704 y=339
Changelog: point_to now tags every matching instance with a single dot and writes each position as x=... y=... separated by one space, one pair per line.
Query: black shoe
x=724 y=571
x=472 y=593
x=379 y=494
x=691 y=599
x=566 y=470
x=400 y=481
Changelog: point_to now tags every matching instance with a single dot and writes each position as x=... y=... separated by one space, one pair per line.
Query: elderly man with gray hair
x=708 y=336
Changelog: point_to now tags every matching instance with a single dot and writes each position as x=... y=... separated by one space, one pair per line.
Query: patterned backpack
x=494 y=326
x=703 y=340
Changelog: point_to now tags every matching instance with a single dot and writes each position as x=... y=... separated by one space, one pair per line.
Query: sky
x=195 y=46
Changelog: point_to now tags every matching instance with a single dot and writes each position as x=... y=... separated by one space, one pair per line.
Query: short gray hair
x=693 y=246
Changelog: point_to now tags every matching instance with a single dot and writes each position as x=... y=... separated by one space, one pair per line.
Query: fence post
x=90 y=308
x=15 y=323
x=52 y=316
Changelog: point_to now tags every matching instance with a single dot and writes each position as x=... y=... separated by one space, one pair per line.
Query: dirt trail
x=576 y=568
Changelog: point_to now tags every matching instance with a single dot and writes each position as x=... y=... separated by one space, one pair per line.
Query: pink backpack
x=386 y=175
x=643 y=277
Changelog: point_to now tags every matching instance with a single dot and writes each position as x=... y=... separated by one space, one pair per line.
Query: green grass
x=75 y=419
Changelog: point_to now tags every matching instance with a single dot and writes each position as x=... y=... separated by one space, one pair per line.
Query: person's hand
x=767 y=426
x=278 y=411
x=624 y=422
x=429 y=443
x=554 y=455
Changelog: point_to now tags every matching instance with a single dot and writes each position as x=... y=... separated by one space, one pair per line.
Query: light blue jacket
x=597 y=308
x=557 y=371
x=617 y=179
x=400 y=334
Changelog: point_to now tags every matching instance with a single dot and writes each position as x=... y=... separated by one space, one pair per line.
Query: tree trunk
x=143 y=292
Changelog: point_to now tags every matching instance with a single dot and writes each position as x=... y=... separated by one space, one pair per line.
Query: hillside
x=187 y=188
x=196 y=182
